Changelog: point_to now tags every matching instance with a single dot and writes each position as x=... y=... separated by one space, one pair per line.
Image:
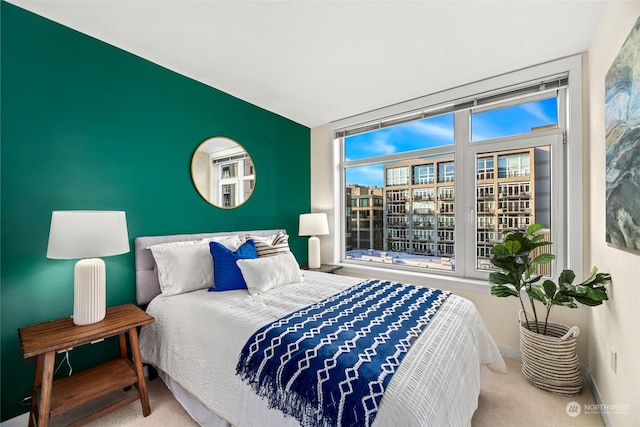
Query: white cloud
x=431 y=129
x=378 y=146
x=534 y=109
x=382 y=146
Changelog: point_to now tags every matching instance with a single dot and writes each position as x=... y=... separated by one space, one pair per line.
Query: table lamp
x=313 y=224
x=88 y=235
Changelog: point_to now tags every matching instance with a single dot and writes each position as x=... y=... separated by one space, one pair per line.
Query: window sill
x=417 y=278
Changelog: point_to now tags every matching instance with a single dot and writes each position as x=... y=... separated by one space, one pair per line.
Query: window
x=423 y=174
x=518 y=119
x=452 y=176
x=397 y=176
x=446 y=171
x=513 y=165
x=485 y=168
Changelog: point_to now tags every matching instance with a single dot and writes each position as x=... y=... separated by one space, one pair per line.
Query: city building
x=364 y=208
x=512 y=192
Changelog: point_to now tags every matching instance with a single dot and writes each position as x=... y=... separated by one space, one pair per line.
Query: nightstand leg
x=123 y=351
x=37 y=381
x=137 y=362
x=46 y=380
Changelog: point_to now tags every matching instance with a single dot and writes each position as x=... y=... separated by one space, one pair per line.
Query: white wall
x=614 y=325
x=322 y=194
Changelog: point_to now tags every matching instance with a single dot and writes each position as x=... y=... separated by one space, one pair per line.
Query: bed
x=198 y=336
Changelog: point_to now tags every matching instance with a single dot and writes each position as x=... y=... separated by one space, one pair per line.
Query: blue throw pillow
x=226 y=273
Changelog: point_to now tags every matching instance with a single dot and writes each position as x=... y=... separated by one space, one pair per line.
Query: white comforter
x=198 y=336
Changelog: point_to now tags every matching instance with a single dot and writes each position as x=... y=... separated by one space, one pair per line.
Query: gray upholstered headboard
x=147 y=284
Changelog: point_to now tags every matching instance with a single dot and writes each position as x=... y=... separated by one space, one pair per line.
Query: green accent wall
x=85 y=125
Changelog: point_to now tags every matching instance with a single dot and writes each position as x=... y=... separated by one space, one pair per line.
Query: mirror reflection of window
x=228 y=195
x=236 y=179
x=229 y=170
x=223 y=172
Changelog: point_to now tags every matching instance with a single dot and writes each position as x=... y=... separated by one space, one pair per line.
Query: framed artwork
x=622 y=125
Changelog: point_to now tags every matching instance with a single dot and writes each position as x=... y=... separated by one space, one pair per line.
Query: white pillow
x=262 y=274
x=187 y=266
x=232 y=242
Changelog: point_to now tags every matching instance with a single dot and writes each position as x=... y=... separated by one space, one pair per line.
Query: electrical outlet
x=614 y=360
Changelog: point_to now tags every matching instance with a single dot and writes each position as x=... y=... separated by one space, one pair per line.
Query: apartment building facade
x=419 y=196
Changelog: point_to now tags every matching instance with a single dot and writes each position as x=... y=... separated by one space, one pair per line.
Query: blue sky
x=437 y=132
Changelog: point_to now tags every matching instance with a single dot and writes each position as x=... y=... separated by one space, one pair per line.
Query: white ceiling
x=318 y=61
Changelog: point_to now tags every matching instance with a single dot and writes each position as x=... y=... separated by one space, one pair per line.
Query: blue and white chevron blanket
x=328 y=364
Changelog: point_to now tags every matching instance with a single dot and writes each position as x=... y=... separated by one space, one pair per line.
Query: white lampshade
x=88 y=235
x=313 y=224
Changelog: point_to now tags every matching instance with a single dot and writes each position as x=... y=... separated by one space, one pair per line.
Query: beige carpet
x=510 y=400
x=505 y=400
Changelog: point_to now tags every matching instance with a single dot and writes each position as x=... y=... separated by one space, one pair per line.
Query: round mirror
x=223 y=173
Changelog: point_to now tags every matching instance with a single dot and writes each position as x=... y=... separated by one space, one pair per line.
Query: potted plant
x=549 y=359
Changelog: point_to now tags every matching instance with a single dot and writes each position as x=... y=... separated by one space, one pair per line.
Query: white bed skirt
x=200 y=414
x=203 y=416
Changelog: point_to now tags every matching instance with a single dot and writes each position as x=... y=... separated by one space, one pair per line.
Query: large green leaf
x=560 y=298
x=567 y=276
x=537 y=244
x=503 y=291
x=587 y=301
x=543 y=259
x=597 y=294
x=574 y=290
x=513 y=246
x=500 y=278
x=536 y=293
x=534 y=228
x=505 y=263
x=602 y=278
x=549 y=288
x=596 y=278
x=499 y=250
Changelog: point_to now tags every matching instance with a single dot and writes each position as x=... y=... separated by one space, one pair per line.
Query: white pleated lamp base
x=89 y=291
x=314 y=252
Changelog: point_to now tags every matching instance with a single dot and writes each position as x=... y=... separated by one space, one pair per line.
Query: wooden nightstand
x=325 y=268
x=51 y=398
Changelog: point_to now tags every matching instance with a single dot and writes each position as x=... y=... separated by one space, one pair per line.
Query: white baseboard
x=510 y=353
x=596 y=395
x=19 y=421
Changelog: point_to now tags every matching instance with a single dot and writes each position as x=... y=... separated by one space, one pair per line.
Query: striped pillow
x=271 y=245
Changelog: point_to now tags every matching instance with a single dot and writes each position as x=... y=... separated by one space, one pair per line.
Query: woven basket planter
x=550 y=361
